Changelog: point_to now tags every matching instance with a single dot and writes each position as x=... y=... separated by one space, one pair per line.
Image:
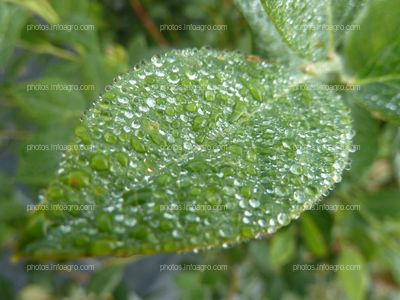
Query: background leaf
x=12 y=18
x=366 y=144
x=372 y=58
x=40 y=7
x=265 y=36
x=353 y=281
x=313 y=236
x=105 y=281
x=282 y=248
x=51 y=100
x=293 y=22
x=344 y=13
x=383 y=204
x=41 y=154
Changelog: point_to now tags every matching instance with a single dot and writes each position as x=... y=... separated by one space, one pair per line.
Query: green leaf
x=41 y=154
x=344 y=13
x=266 y=38
x=353 y=274
x=7 y=288
x=105 y=280
x=50 y=100
x=194 y=281
x=47 y=48
x=12 y=212
x=298 y=24
x=372 y=58
x=313 y=29
x=391 y=257
x=40 y=7
x=243 y=144
x=360 y=236
x=383 y=204
x=258 y=250
x=282 y=248
x=366 y=144
x=12 y=19
x=313 y=237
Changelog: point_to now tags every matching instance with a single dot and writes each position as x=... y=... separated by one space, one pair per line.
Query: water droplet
x=280 y=191
x=122 y=158
x=77 y=179
x=283 y=219
x=137 y=145
x=110 y=138
x=150 y=102
x=191 y=107
x=295 y=169
x=100 y=162
x=254 y=203
x=119 y=218
x=191 y=76
x=128 y=114
x=299 y=197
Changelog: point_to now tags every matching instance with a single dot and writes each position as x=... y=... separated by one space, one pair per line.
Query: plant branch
x=148 y=22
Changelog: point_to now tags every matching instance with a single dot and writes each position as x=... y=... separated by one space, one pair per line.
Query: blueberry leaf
x=297 y=22
x=372 y=57
x=193 y=149
x=344 y=17
x=40 y=7
x=312 y=29
x=12 y=19
x=366 y=142
x=267 y=40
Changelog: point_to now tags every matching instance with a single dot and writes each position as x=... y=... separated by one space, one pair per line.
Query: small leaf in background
x=12 y=213
x=195 y=127
x=137 y=49
x=265 y=36
x=344 y=14
x=12 y=19
x=366 y=144
x=383 y=204
x=360 y=236
x=7 y=289
x=352 y=274
x=282 y=248
x=259 y=253
x=372 y=56
x=104 y=282
x=192 y=280
x=299 y=25
x=391 y=256
x=313 y=237
x=45 y=47
x=40 y=7
x=50 y=101
x=41 y=154
x=304 y=29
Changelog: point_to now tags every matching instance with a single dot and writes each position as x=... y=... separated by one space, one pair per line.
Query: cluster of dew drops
x=199 y=127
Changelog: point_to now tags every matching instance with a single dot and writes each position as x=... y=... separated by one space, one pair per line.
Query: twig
x=148 y=22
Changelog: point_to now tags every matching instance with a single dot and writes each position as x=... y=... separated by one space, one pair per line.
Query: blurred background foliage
x=127 y=32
